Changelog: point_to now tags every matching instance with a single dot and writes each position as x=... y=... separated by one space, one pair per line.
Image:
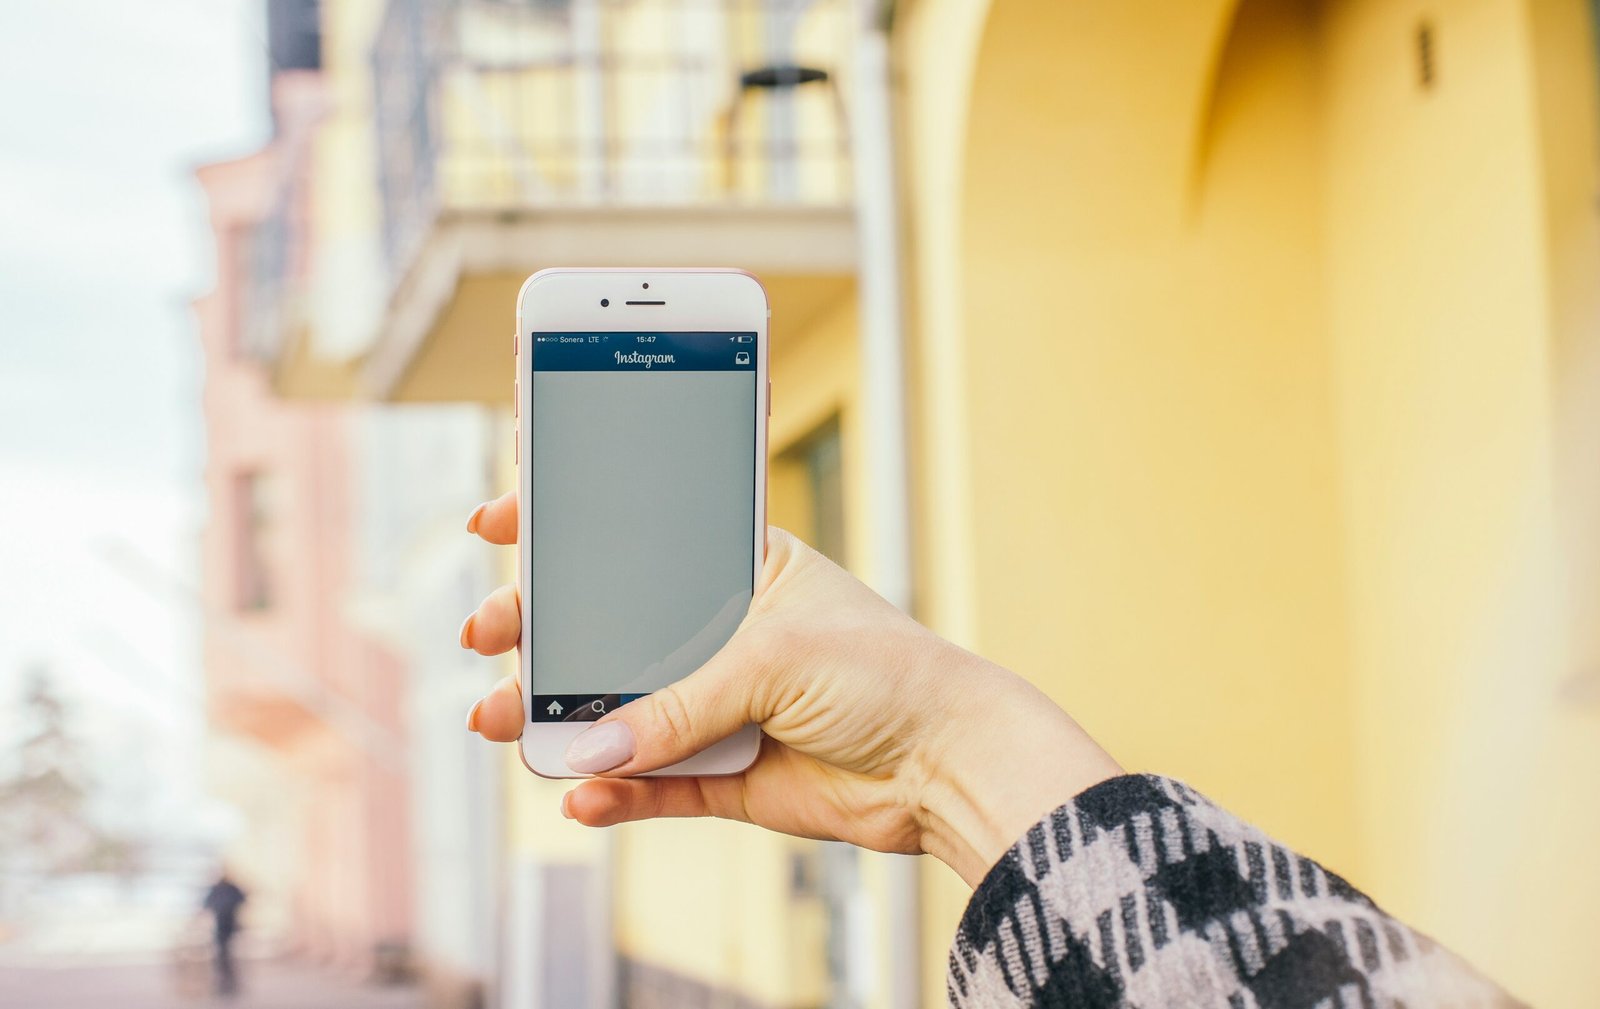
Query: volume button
x=769 y=397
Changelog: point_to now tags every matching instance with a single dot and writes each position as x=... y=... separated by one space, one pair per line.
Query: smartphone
x=641 y=407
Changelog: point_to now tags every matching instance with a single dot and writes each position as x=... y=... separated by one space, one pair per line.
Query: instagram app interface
x=642 y=451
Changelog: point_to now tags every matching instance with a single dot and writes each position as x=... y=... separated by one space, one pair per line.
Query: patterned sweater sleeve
x=1142 y=893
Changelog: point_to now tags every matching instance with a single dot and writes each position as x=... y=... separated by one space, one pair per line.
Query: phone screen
x=642 y=448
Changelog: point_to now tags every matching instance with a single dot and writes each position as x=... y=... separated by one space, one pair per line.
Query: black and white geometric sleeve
x=1142 y=893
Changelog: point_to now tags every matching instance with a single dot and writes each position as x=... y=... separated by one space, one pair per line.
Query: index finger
x=496 y=521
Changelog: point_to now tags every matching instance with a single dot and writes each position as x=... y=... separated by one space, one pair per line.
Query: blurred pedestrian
x=223 y=901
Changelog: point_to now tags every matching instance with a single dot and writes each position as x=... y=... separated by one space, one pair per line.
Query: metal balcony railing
x=510 y=105
x=273 y=296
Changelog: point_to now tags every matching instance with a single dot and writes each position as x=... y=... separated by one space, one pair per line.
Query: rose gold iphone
x=641 y=399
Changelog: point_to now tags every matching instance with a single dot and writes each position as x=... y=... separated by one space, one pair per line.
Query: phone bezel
x=568 y=299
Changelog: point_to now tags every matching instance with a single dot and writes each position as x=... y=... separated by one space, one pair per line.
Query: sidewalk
x=275 y=984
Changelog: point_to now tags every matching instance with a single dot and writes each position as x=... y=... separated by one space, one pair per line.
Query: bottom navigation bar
x=575 y=707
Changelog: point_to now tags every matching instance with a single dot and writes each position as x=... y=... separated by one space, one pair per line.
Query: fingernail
x=472 y=520
x=565 y=798
x=466 y=630
x=472 y=716
x=600 y=748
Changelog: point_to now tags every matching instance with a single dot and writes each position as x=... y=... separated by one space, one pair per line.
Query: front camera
x=605 y=302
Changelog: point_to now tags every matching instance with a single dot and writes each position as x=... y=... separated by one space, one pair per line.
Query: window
x=294 y=34
x=251 y=519
x=807 y=489
x=823 y=453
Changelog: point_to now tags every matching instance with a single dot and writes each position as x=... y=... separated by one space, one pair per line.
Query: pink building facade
x=308 y=709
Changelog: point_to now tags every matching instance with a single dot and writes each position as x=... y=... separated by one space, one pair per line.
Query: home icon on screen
x=554 y=708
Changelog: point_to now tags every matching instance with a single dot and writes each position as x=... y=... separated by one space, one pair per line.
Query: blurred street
x=267 y=985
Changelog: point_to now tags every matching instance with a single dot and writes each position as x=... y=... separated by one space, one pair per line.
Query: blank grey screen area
x=643 y=514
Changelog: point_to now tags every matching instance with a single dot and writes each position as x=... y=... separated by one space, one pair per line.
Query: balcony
x=278 y=250
x=273 y=298
x=512 y=136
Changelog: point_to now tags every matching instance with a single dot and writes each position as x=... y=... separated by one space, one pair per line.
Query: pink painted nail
x=600 y=748
x=472 y=520
x=566 y=797
x=472 y=717
x=466 y=631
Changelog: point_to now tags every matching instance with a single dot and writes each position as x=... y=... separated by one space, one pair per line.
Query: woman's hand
x=879 y=732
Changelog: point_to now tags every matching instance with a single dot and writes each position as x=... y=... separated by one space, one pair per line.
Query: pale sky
x=106 y=106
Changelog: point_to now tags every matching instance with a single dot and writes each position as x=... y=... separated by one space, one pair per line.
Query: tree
x=47 y=824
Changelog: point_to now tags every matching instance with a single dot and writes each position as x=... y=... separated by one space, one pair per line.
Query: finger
x=602 y=802
x=496 y=625
x=496 y=521
x=677 y=721
x=499 y=716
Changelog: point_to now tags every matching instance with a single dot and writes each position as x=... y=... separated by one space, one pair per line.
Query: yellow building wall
x=1569 y=752
x=1234 y=421
x=712 y=900
x=1476 y=775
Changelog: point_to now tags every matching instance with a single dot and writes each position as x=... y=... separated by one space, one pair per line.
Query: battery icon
x=744 y=339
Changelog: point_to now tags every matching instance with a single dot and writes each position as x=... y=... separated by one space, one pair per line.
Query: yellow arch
x=1146 y=364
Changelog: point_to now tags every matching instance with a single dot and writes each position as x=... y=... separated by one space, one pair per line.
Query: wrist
x=996 y=774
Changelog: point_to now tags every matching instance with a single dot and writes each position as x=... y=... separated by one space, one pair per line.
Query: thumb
x=673 y=723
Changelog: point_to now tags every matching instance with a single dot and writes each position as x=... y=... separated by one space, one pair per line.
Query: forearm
x=1140 y=892
x=1017 y=757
